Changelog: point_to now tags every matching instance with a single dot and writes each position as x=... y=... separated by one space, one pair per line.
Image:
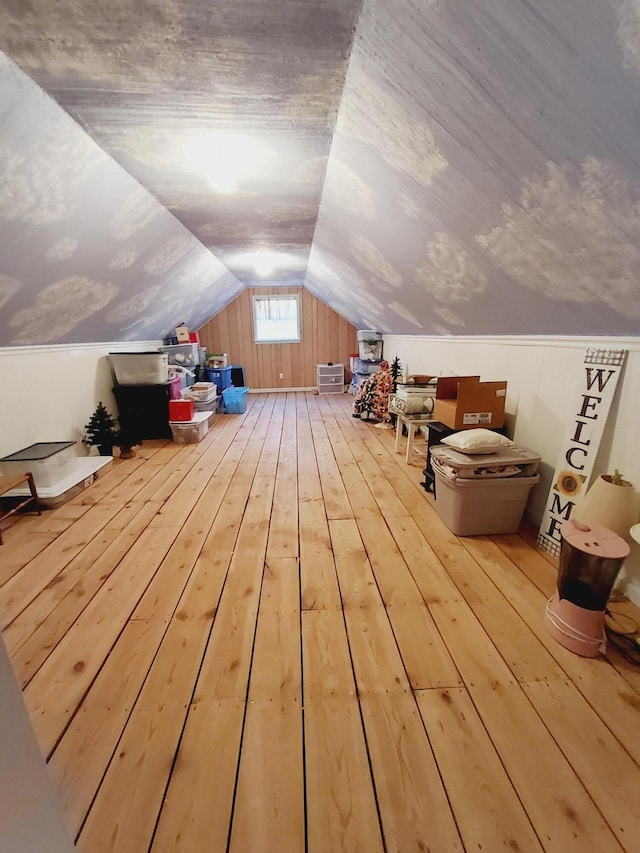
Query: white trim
x=114 y=346
x=577 y=342
x=275 y=390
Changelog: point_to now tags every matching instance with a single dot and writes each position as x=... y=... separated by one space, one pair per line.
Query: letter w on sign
x=594 y=392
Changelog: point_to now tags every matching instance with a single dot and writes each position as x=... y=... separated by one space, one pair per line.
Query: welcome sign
x=598 y=381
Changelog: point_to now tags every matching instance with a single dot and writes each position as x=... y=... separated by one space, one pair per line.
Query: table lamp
x=610 y=503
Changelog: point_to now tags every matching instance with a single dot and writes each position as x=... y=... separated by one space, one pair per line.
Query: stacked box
x=183 y=355
x=366 y=365
x=139 y=368
x=181 y=410
x=220 y=375
x=193 y=431
x=202 y=392
x=369 y=344
x=463 y=402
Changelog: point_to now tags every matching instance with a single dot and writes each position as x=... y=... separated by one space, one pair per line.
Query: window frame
x=256 y=298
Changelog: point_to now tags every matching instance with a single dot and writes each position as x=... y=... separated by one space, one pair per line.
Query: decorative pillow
x=473 y=441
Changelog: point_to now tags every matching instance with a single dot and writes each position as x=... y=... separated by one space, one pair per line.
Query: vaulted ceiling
x=423 y=166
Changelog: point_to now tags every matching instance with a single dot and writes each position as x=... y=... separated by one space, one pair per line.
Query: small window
x=276 y=319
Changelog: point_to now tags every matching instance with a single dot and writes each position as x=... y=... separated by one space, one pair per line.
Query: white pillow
x=477 y=441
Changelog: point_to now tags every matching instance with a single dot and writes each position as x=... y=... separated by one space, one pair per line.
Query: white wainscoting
x=48 y=393
x=541 y=373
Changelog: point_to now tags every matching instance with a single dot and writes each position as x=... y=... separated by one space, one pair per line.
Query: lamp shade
x=610 y=503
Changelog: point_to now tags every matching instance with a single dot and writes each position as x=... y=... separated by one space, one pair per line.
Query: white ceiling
x=423 y=166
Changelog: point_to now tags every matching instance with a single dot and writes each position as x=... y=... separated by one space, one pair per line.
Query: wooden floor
x=268 y=641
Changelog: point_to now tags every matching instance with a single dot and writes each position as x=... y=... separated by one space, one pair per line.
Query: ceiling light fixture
x=264 y=263
x=227 y=159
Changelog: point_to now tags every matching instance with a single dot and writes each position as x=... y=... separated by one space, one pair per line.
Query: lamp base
x=576 y=628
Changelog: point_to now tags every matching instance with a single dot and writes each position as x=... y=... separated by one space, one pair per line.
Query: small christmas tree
x=396 y=370
x=102 y=431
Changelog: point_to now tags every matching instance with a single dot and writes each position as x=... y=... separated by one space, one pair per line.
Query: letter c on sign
x=569 y=456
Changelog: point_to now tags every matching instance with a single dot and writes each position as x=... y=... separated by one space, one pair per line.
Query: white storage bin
x=369 y=344
x=48 y=461
x=139 y=368
x=183 y=355
x=202 y=392
x=191 y=432
x=367 y=367
x=330 y=378
x=209 y=406
x=368 y=335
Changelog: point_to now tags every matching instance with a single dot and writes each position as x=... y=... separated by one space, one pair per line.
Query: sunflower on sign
x=569 y=483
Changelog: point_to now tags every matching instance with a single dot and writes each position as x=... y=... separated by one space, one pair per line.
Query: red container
x=194 y=338
x=181 y=410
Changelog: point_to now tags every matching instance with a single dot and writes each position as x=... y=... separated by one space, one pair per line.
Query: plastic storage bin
x=193 y=431
x=483 y=507
x=235 y=400
x=330 y=378
x=220 y=375
x=367 y=366
x=183 y=355
x=139 y=368
x=369 y=344
x=209 y=406
x=202 y=392
x=490 y=492
x=48 y=461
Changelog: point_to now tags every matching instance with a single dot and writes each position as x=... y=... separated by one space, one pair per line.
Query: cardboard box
x=181 y=410
x=463 y=402
x=182 y=333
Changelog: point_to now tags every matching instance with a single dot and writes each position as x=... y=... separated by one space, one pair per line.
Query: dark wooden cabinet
x=144 y=409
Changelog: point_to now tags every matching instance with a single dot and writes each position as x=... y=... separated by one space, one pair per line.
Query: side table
x=412 y=422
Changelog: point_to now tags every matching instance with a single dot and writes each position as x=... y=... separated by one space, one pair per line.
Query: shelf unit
x=330 y=378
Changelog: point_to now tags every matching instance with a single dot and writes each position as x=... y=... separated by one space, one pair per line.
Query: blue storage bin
x=235 y=400
x=220 y=375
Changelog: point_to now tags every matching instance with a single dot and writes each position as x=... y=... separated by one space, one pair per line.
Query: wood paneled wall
x=325 y=336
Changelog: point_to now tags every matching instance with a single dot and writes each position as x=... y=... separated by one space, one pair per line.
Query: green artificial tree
x=396 y=370
x=102 y=431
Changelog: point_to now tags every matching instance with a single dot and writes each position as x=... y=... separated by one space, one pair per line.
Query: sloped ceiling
x=452 y=168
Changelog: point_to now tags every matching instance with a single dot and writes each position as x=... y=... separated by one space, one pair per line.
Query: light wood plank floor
x=268 y=641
